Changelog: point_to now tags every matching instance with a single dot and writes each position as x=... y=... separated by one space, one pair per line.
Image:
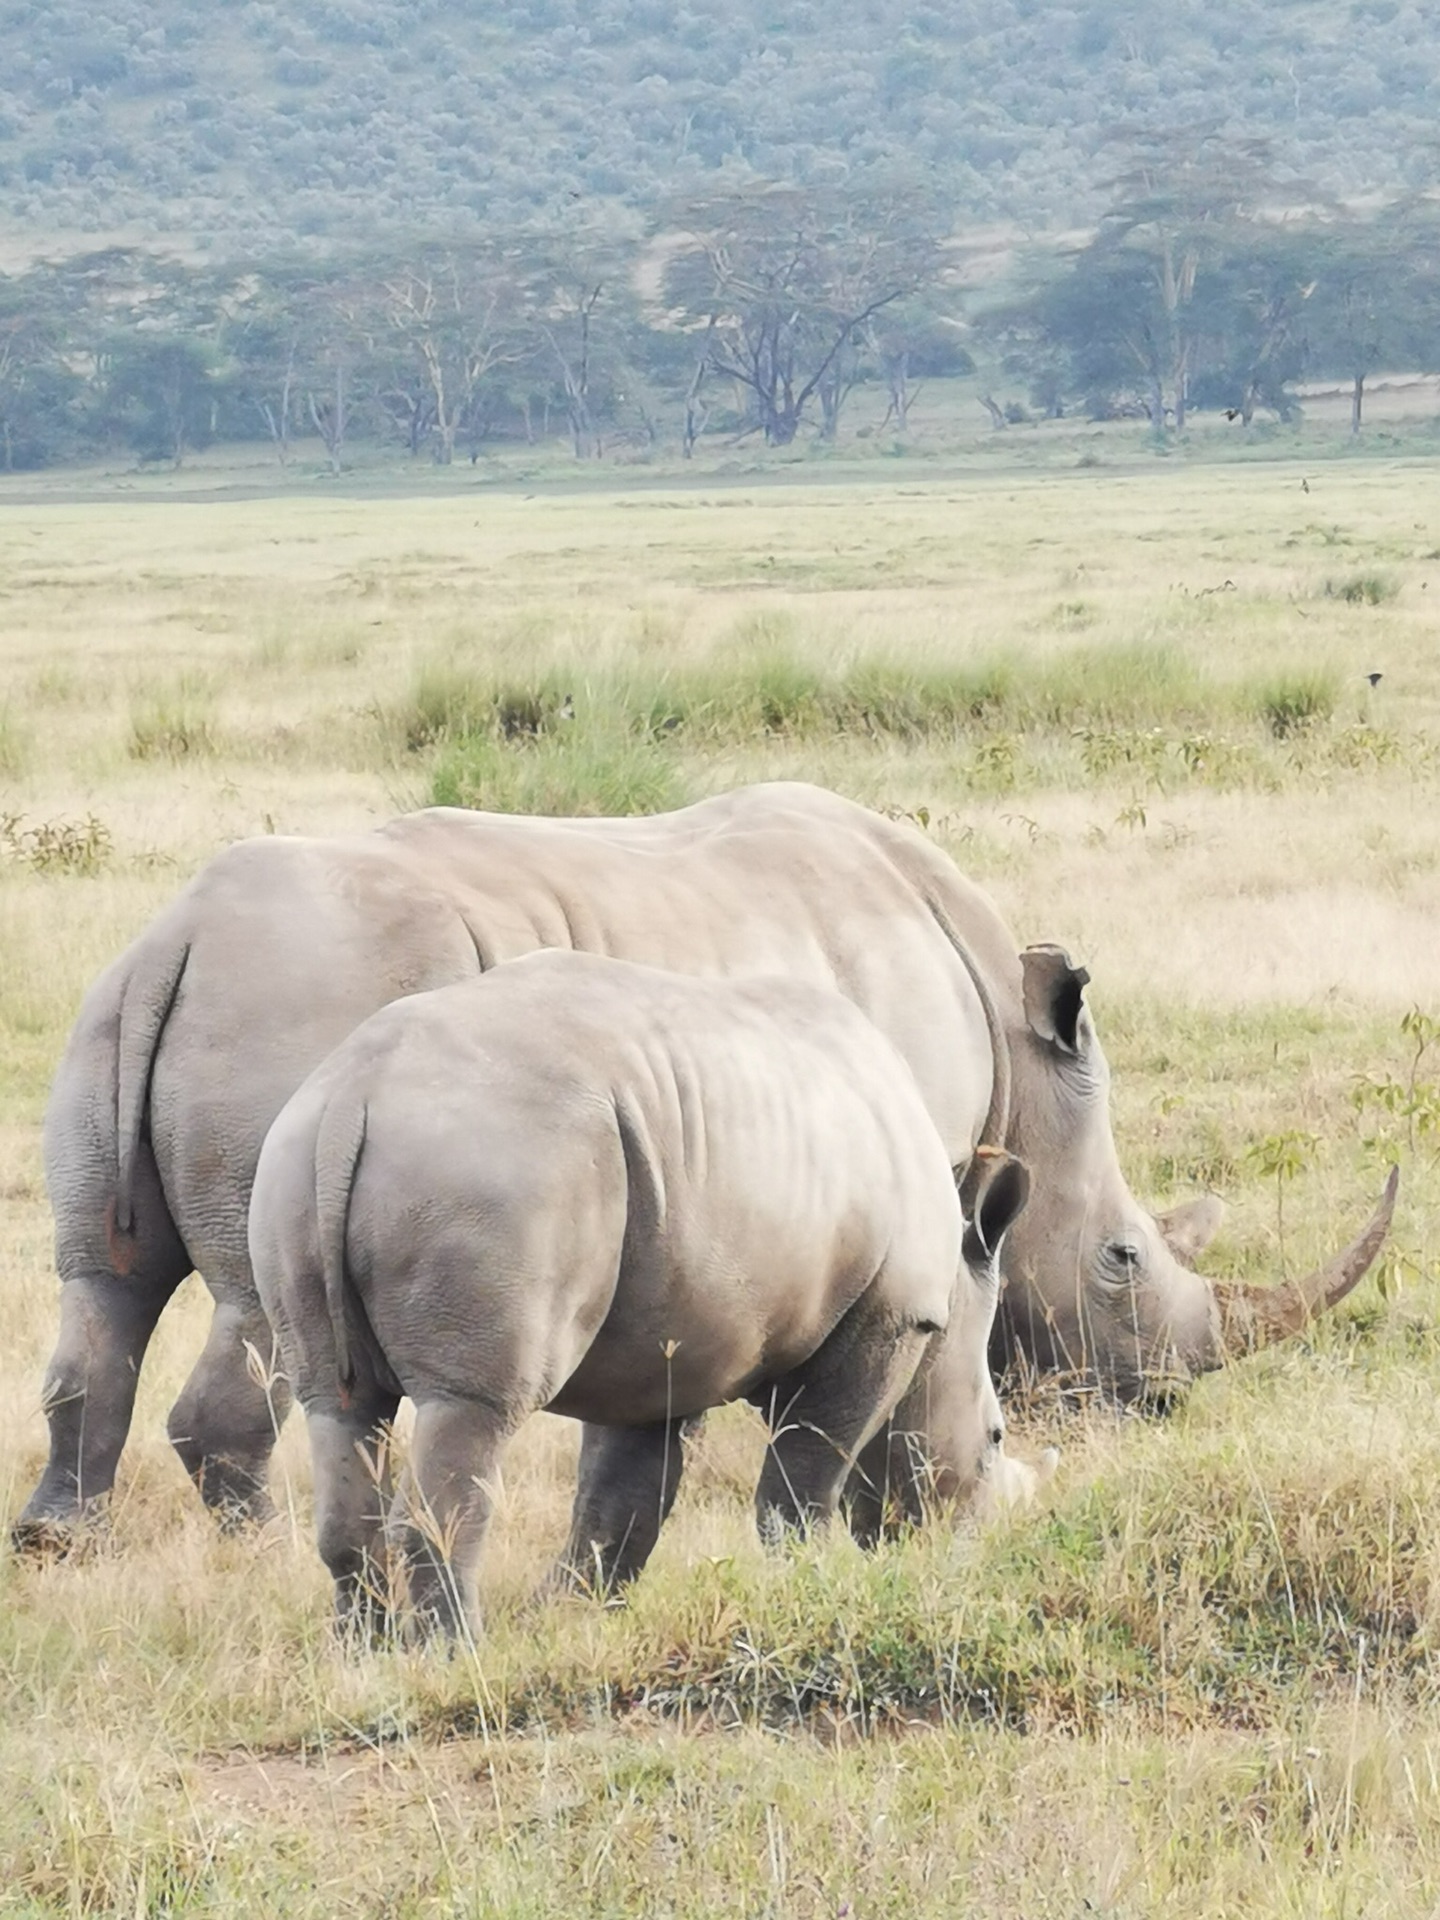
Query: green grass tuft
x=14 y=745
x=1364 y=589
x=1148 y=716
x=588 y=771
x=1292 y=703
x=179 y=725
x=449 y=703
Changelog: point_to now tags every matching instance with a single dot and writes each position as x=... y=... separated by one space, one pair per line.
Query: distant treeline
x=757 y=312
x=258 y=125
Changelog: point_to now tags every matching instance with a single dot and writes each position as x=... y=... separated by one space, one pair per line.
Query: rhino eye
x=1124 y=1255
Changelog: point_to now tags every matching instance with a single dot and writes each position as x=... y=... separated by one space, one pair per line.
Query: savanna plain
x=1199 y=1676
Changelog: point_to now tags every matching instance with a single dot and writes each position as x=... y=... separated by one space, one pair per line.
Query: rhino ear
x=1188 y=1230
x=1054 y=994
x=1001 y=1191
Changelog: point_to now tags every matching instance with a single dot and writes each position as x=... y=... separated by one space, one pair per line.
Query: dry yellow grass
x=176 y=1732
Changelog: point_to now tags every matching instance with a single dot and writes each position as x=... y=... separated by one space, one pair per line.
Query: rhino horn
x=1255 y=1317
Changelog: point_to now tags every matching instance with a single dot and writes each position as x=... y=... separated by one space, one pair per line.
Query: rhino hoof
x=46 y=1536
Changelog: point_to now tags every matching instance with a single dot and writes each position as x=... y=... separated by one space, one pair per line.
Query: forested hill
x=247 y=122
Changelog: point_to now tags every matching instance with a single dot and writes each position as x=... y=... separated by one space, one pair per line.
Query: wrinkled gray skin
x=188 y=1046
x=627 y=1196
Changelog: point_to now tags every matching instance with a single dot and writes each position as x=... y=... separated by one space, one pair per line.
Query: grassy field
x=1200 y=1678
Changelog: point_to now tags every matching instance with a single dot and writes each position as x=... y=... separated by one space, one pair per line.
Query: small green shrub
x=1361 y=747
x=1131 y=750
x=1403 y=1109
x=994 y=766
x=56 y=846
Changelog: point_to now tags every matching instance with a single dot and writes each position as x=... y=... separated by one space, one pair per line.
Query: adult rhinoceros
x=626 y=1195
x=187 y=1047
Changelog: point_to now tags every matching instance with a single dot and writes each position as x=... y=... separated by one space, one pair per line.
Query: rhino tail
x=337 y=1153
x=146 y=1003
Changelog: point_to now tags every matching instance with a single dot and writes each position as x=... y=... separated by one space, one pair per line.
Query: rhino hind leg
x=350 y=1450
x=822 y=1415
x=225 y=1422
x=89 y=1396
x=115 y=1286
x=629 y=1477
x=445 y=1510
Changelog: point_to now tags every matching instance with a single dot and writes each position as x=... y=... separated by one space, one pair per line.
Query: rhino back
x=781 y=879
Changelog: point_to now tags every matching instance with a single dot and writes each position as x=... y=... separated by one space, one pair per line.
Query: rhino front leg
x=89 y=1396
x=822 y=1415
x=229 y=1412
x=888 y=1486
x=629 y=1477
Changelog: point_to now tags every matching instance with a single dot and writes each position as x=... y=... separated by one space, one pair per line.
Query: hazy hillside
x=243 y=121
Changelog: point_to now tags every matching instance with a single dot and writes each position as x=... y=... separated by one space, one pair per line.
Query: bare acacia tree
x=1373 y=300
x=1179 y=199
x=330 y=414
x=455 y=314
x=337 y=350
x=891 y=350
x=277 y=415
x=697 y=411
x=570 y=344
x=265 y=337
x=581 y=302
x=31 y=339
x=788 y=283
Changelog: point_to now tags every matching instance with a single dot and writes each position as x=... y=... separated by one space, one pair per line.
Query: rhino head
x=1096 y=1288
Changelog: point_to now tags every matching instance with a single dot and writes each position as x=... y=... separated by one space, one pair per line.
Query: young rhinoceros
x=626 y=1196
